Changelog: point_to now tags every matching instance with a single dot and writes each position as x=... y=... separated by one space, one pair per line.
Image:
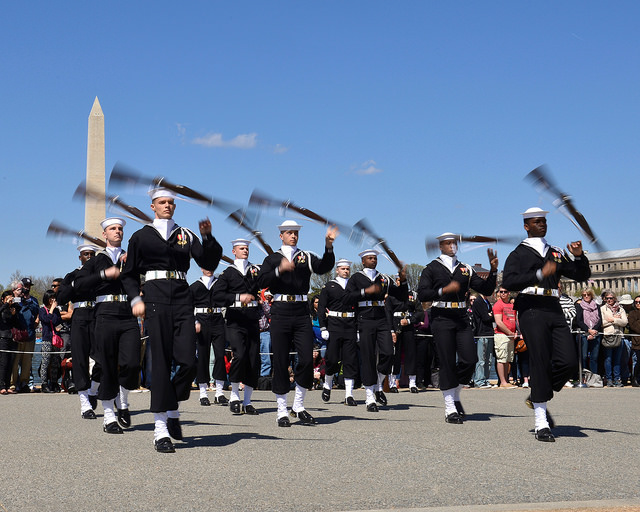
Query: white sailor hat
x=240 y=241
x=289 y=225
x=369 y=252
x=533 y=213
x=448 y=236
x=155 y=192
x=88 y=247
x=343 y=263
x=109 y=221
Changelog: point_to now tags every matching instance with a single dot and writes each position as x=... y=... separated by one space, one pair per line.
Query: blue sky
x=421 y=116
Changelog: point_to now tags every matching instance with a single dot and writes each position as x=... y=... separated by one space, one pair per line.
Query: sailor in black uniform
x=117 y=332
x=86 y=376
x=209 y=332
x=374 y=329
x=287 y=274
x=337 y=319
x=446 y=281
x=161 y=253
x=534 y=269
x=237 y=289
x=403 y=315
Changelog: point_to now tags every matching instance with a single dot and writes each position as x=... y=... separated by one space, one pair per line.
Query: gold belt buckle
x=291 y=298
x=547 y=292
x=454 y=304
x=171 y=274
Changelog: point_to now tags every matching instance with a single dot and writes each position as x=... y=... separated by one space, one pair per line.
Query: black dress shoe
x=220 y=400
x=204 y=401
x=393 y=389
x=454 y=418
x=459 y=408
x=112 y=428
x=544 y=434
x=93 y=400
x=350 y=401
x=164 y=445
x=381 y=398
x=326 y=394
x=89 y=415
x=72 y=390
x=413 y=389
x=284 y=422
x=174 y=428
x=372 y=407
x=304 y=417
x=45 y=389
x=124 y=418
x=249 y=409
x=236 y=407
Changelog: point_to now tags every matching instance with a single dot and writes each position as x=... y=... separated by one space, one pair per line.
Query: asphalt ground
x=403 y=457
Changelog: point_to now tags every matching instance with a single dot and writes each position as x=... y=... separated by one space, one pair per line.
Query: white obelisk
x=94 y=208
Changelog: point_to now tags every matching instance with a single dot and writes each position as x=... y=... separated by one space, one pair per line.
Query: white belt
x=150 y=275
x=401 y=313
x=449 y=305
x=547 y=292
x=281 y=297
x=111 y=298
x=238 y=304
x=84 y=304
x=340 y=314
x=206 y=311
x=366 y=303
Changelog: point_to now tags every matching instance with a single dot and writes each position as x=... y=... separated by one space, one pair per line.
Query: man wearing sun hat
x=534 y=269
x=237 y=288
x=287 y=274
x=161 y=252
x=446 y=281
x=116 y=330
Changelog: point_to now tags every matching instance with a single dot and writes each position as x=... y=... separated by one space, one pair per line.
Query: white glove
x=325 y=334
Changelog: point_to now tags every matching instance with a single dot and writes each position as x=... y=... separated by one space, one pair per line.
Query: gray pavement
x=404 y=457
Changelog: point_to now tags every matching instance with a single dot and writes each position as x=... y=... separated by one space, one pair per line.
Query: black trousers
x=291 y=332
x=342 y=346
x=119 y=345
x=172 y=337
x=244 y=341
x=6 y=361
x=553 y=355
x=454 y=337
x=211 y=334
x=424 y=356
x=405 y=342
x=376 y=349
x=83 y=346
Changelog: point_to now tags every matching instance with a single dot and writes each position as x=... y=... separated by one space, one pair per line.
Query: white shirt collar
x=449 y=261
x=164 y=227
x=342 y=281
x=114 y=253
x=208 y=281
x=538 y=244
x=241 y=265
x=371 y=273
x=288 y=251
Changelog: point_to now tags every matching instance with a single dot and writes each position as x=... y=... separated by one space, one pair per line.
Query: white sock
x=219 y=386
x=348 y=387
x=370 y=395
x=281 y=400
x=449 y=401
x=540 y=412
x=456 y=392
x=93 y=390
x=235 y=392
x=412 y=381
x=109 y=414
x=84 y=400
x=298 y=400
x=160 y=429
x=246 y=396
x=328 y=381
x=381 y=381
x=123 y=398
x=203 y=390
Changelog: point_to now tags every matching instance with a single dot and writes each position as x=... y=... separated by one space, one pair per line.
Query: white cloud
x=279 y=149
x=181 y=129
x=215 y=140
x=368 y=167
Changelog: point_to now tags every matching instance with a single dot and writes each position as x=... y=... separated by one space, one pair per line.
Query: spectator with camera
x=50 y=365
x=27 y=309
x=8 y=321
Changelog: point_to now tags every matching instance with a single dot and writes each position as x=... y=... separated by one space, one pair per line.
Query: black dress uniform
x=169 y=319
x=209 y=315
x=117 y=332
x=410 y=310
x=242 y=328
x=290 y=315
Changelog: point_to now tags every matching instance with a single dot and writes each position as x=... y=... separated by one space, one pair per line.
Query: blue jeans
x=591 y=348
x=484 y=347
x=612 y=358
x=624 y=359
x=265 y=356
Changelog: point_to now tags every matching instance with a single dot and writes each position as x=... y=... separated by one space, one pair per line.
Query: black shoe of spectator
x=45 y=389
x=174 y=428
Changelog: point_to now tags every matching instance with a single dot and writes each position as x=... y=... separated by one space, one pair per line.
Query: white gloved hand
x=325 y=334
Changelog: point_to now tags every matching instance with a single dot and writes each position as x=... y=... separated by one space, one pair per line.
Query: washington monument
x=94 y=208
